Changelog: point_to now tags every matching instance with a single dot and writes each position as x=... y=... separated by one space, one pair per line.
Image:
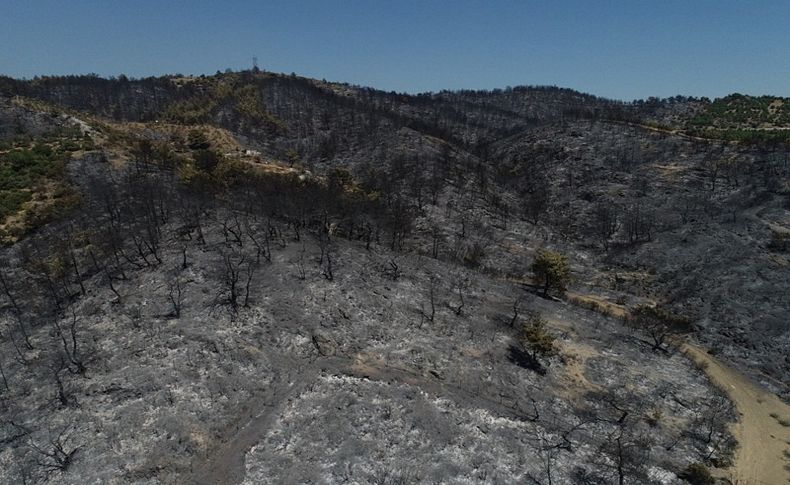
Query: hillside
x=254 y=278
x=740 y=111
x=750 y=119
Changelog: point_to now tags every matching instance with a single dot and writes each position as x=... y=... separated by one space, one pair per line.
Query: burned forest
x=252 y=277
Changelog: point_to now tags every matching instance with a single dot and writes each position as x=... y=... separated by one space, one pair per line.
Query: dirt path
x=673 y=132
x=225 y=462
x=763 y=456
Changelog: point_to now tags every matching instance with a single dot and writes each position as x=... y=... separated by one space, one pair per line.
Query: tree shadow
x=537 y=290
x=522 y=359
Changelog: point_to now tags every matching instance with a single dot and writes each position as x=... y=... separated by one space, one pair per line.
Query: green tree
x=551 y=271
x=536 y=339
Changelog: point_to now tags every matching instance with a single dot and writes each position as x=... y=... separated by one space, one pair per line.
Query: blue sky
x=619 y=49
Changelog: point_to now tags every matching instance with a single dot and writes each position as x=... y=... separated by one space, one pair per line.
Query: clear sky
x=620 y=49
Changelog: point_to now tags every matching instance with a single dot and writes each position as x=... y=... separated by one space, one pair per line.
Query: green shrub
x=36 y=169
x=21 y=168
x=11 y=201
x=536 y=339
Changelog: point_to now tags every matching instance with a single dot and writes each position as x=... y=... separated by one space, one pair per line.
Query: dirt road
x=763 y=428
x=763 y=456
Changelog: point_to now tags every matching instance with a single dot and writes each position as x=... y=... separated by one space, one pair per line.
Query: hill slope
x=270 y=276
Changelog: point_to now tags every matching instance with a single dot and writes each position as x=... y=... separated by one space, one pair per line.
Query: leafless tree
x=55 y=455
x=625 y=448
x=392 y=270
x=261 y=243
x=175 y=295
x=2 y=374
x=605 y=222
x=73 y=260
x=659 y=324
x=325 y=259
x=712 y=163
x=70 y=343
x=300 y=263
x=250 y=270
x=109 y=277
x=230 y=274
x=17 y=310
x=18 y=356
x=516 y=307
x=710 y=427
x=231 y=229
x=57 y=366
x=436 y=241
x=639 y=222
x=432 y=297
x=625 y=455
x=461 y=285
x=535 y=197
x=327 y=270
x=548 y=455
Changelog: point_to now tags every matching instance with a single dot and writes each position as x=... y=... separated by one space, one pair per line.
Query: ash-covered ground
x=320 y=381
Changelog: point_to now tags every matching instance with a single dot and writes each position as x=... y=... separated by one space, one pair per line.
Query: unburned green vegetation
x=218 y=93
x=34 y=186
x=754 y=120
x=738 y=110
